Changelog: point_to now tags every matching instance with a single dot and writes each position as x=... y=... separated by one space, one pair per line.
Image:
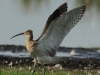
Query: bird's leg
x=43 y=69
x=35 y=64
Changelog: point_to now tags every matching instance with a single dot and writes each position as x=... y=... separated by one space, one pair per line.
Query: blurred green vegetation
x=38 y=3
x=96 y=48
x=89 y=3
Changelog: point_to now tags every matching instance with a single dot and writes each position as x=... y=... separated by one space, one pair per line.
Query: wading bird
x=59 y=23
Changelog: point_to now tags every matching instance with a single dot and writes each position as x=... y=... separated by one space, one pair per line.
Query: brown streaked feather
x=59 y=11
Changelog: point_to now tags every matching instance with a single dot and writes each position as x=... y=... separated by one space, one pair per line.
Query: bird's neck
x=29 y=38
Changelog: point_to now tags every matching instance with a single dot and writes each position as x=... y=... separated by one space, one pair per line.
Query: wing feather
x=60 y=10
x=58 y=29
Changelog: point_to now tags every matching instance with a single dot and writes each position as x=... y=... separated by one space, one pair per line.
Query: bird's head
x=27 y=32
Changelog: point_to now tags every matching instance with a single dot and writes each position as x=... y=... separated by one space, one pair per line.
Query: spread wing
x=60 y=10
x=58 y=29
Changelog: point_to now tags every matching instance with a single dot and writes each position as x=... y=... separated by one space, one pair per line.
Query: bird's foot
x=32 y=72
x=44 y=70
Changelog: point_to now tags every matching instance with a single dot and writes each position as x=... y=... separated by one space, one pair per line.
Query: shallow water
x=73 y=53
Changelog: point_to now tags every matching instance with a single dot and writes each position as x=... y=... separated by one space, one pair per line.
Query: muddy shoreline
x=77 y=57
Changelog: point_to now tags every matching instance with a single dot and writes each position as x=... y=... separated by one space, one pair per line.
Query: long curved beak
x=17 y=35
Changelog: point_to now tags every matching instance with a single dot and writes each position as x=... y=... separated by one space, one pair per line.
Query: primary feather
x=59 y=11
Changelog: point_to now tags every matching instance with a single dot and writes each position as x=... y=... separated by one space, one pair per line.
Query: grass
x=4 y=70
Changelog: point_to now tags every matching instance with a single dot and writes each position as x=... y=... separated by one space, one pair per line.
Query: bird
x=58 y=25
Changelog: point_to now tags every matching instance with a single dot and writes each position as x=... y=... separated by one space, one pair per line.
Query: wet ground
x=75 y=57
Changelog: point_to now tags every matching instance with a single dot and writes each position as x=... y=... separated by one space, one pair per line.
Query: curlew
x=59 y=23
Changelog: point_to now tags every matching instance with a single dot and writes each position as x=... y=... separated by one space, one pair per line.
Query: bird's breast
x=31 y=49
